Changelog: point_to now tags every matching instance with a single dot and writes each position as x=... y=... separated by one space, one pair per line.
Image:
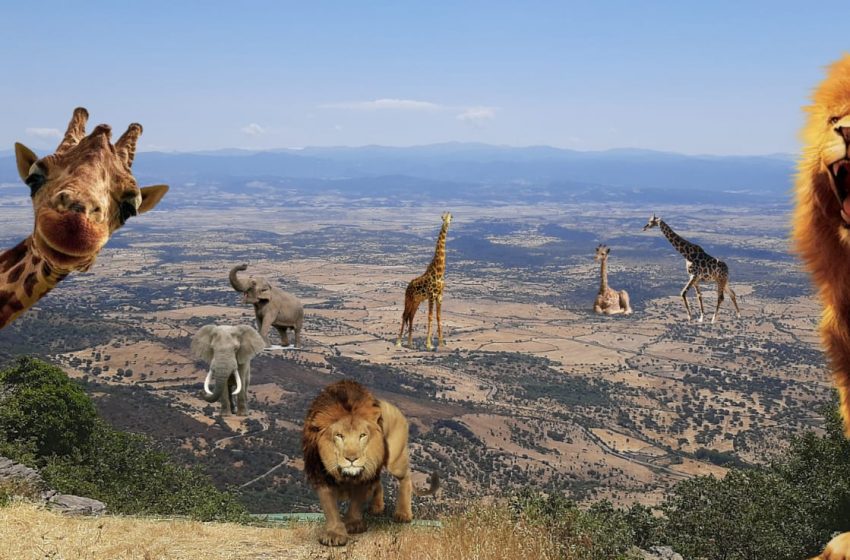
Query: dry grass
x=30 y=532
x=483 y=533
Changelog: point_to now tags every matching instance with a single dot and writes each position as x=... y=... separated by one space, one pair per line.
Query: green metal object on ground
x=319 y=518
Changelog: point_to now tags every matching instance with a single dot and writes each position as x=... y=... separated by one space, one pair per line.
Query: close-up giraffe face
x=83 y=192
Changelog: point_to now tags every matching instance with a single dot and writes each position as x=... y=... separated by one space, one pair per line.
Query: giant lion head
x=824 y=171
x=343 y=438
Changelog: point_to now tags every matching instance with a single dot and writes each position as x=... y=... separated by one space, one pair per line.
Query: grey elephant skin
x=272 y=306
x=228 y=350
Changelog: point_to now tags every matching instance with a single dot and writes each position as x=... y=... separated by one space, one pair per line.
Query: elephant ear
x=202 y=343
x=250 y=342
x=263 y=289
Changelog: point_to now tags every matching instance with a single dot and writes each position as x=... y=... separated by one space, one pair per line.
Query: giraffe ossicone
x=428 y=286
x=81 y=194
x=700 y=266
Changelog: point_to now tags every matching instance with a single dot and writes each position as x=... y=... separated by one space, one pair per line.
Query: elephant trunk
x=238 y=285
x=221 y=382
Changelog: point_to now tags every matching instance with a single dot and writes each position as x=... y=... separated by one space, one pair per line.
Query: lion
x=349 y=437
x=821 y=231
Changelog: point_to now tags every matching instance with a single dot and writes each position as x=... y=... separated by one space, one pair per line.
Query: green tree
x=42 y=410
x=47 y=421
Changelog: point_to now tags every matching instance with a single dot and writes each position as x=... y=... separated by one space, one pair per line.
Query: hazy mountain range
x=460 y=167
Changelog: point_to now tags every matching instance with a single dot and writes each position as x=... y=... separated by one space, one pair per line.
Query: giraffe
x=608 y=300
x=700 y=266
x=81 y=194
x=428 y=286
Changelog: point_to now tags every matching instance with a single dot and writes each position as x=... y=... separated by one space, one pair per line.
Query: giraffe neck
x=25 y=277
x=438 y=264
x=603 y=286
x=678 y=242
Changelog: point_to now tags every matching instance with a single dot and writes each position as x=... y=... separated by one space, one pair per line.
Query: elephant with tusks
x=228 y=350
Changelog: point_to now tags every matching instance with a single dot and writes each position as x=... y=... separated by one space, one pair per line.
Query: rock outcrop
x=19 y=480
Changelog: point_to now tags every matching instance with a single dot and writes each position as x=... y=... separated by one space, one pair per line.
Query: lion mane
x=349 y=437
x=335 y=402
x=820 y=225
x=821 y=232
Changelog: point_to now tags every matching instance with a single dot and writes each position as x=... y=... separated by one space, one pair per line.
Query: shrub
x=46 y=420
x=43 y=411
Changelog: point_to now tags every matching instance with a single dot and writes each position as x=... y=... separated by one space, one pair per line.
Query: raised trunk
x=238 y=285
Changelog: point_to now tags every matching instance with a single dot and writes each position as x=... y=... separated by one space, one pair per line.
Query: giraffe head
x=602 y=252
x=654 y=221
x=447 y=218
x=83 y=192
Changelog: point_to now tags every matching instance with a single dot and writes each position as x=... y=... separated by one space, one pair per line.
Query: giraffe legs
x=440 y=341
x=684 y=294
x=401 y=331
x=720 y=287
x=410 y=327
x=734 y=300
x=407 y=319
x=428 y=344
x=699 y=299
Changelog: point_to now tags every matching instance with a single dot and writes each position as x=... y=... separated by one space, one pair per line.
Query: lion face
x=352 y=449
x=827 y=136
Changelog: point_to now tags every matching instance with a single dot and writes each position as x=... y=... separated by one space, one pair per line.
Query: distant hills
x=462 y=166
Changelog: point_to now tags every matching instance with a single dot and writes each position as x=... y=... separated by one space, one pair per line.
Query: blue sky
x=692 y=77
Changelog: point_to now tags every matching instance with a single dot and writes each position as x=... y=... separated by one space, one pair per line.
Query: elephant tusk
x=207 y=383
x=238 y=383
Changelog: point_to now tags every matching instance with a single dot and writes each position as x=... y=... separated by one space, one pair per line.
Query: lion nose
x=351 y=458
x=844 y=131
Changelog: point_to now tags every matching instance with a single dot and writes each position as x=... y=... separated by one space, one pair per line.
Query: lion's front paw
x=403 y=516
x=356 y=526
x=333 y=537
x=376 y=508
x=837 y=549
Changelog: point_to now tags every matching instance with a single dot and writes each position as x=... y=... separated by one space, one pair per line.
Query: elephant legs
x=284 y=337
x=242 y=397
x=265 y=323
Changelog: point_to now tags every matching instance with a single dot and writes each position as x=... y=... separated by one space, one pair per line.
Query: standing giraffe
x=428 y=286
x=608 y=300
x=80 y=194
x=700 y=266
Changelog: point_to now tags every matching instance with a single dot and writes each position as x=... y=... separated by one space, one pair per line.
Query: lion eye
x=362 y=436
x=833 y=120
x=338 y=436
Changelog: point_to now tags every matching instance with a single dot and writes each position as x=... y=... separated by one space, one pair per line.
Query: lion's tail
x=433 y=486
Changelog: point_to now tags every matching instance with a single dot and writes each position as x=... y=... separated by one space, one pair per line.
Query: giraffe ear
x=25 y=158
x=607 y=250
x=151 y=197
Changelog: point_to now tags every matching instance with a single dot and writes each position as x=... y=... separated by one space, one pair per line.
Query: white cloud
x=477 y=116
x=379 y=104
x=253 y=129
x=44 y=133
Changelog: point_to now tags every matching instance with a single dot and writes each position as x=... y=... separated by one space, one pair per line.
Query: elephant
x=228 y=350
x=272 y=306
